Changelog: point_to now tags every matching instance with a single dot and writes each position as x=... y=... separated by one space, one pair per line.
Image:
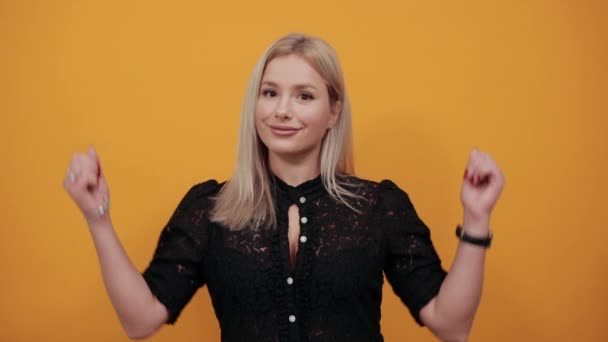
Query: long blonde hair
x=246 y=200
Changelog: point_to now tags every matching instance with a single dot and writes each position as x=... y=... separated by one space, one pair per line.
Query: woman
x=294 y=246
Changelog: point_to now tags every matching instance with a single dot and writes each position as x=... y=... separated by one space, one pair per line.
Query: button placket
x=303 y=220
x=307 y=232
x=297 y=295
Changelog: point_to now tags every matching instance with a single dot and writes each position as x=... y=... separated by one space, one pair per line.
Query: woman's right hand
x=139 y=311
x=87 y=186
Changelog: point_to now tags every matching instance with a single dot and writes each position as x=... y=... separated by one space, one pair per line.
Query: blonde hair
x=246 y=200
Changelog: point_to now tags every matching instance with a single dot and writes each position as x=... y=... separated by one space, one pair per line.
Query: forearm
x=460 y=293
x=450 y=314
x=138 y=310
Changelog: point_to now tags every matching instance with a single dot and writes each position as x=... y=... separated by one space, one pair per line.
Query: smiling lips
x=283 y=130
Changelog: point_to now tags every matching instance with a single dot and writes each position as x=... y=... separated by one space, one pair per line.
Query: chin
x=288 y=149
x=282 y=149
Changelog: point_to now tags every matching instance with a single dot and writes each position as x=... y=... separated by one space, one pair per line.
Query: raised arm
x=139 y=312
x=450 y=314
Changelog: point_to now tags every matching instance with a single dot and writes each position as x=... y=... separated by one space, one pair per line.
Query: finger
x=468 y=172
x=92 y=152
x=480 y=171
x=497 y=175
x=87 y=179
x=72 y=173
x=99 y=203
x=481 y=175
x=90 y=160
x=486 y=170
x=472 y=166
x=103 y=185
x=76 y=164
x=88 y=164
x=69 y=179
x=82 y=175
x=90 y=182
x=84 y=187
x=490 y=160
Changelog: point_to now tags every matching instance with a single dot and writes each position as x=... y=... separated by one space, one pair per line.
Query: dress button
x=292 y=318
x=289 y=280
x=303 y=239
x=304 y=219
x=302 y=199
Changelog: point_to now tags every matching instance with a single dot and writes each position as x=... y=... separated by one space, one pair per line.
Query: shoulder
x=199 y=193
x=381 y=190
x=392 y=208
x=205 y=189
x=196 y=204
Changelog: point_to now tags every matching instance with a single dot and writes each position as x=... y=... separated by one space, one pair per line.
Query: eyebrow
x=297 y=86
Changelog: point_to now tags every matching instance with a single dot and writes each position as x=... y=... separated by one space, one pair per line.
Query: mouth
x=283 y=130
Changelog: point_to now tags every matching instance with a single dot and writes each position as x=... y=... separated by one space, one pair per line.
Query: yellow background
x=157 y=88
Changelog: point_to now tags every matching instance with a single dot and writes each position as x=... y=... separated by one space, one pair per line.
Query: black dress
x=335 y=290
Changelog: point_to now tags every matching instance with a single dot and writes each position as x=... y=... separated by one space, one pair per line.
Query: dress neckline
x=307 y=190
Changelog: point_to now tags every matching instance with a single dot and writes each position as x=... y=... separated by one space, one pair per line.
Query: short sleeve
x=412 y=265
x=176 y=271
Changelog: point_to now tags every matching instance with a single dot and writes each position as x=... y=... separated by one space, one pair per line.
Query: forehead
x=289 y=70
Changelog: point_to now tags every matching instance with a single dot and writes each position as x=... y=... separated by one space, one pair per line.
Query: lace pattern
x=335 y=290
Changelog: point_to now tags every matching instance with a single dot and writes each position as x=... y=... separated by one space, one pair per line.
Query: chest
x=323 y=257
x=293 y=233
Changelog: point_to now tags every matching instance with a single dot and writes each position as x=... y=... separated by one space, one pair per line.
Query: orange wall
x=158 y=88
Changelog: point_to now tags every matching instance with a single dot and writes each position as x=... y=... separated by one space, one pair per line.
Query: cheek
x=258 y=117
x=259 y=126
x=316 y=116
x=261 y=114
x=259 y=110
x=264 y=106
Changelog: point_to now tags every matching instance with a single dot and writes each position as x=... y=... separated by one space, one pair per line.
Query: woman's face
x=293 y=110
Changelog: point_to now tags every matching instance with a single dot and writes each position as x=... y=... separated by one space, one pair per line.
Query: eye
x=269 y=93
x=306 y=97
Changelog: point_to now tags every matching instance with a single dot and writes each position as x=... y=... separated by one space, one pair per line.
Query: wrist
x=100 y=223
x=483 y=241
x=478 y=226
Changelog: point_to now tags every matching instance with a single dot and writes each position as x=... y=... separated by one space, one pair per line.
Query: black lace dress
x=335 y=289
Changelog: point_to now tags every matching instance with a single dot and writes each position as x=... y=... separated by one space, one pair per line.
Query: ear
x=336 y=109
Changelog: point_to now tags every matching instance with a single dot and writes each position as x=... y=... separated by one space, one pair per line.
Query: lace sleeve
x=176 y=270
x=412 y=266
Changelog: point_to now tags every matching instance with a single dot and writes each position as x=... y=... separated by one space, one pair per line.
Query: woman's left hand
x=481 y=188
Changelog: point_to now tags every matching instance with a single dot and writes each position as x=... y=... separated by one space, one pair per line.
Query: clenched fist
x=482 y=186
x=87 y=186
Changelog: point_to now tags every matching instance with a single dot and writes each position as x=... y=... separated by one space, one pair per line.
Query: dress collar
x=309 y=190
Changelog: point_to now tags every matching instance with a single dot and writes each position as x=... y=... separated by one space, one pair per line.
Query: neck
x=295 y=170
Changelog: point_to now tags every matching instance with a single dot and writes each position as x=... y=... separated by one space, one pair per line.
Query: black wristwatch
x=473 y=240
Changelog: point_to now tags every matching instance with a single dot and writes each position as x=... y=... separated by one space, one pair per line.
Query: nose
x=283 y=110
